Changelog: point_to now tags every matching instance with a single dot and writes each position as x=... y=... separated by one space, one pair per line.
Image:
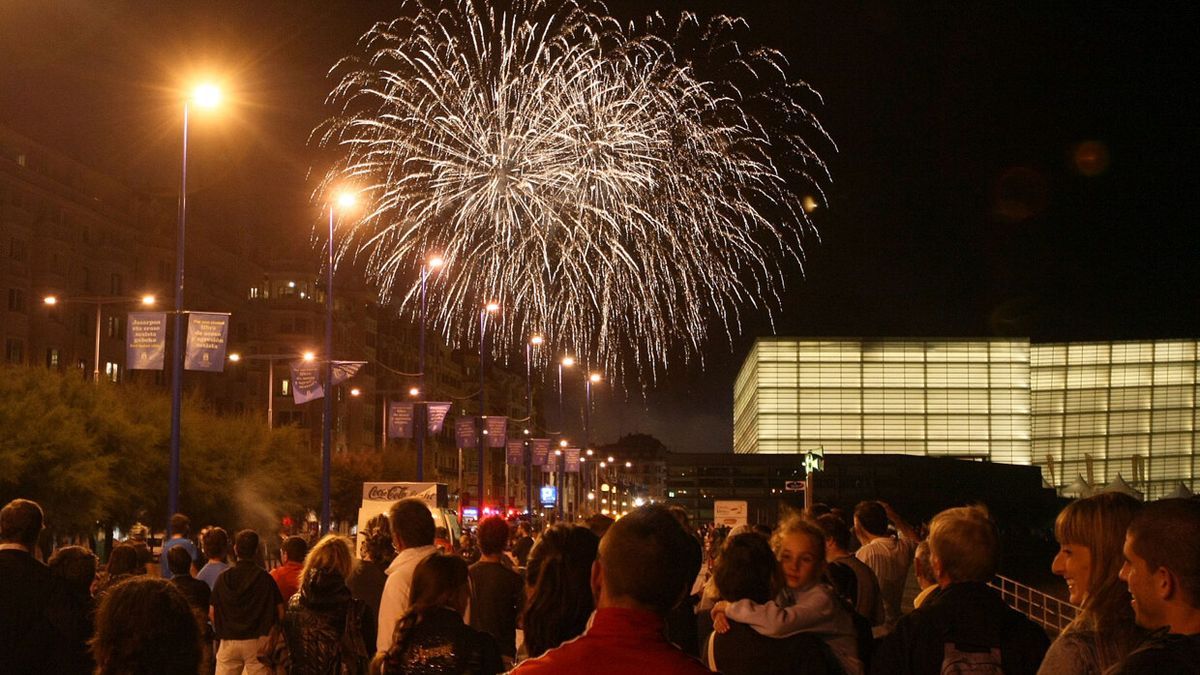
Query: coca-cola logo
x=388 y=493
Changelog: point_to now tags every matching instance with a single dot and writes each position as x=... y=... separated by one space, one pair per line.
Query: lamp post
x=270 y=359
x=343 y=200
x=592 y=378
x=565 y=362
x=422 y=416
x=489 y=308
x=534 y=341
x=205 y=96
x=99 y=302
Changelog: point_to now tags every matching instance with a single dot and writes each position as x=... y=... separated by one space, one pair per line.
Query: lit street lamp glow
x=207 y=95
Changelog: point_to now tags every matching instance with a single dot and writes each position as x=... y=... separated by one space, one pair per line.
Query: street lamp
x=489 y=308
x=535 y=340
x=431 y=264
x=270 y=359
x=52 y=300
x=204 y=96
x=343 y=201
x=592 y=378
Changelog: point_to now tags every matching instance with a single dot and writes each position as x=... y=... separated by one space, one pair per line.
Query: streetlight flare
x=207 y=95
x=355 y=391
x=568 y=361
x=536 y=340
x=413 y=391
x=435 y=262
x=594 y=377
x=50 y=300
x=345 y=199
x=492 y=307
x=309 y=356
x=235 y=357
x=148 y=299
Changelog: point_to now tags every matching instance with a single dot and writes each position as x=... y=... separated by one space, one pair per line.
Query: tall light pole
x=270 y=359
x=489 y=308
x=592 y=378
x=534 y=341
x=343 y=200
x=205 y=96
x=565 y=362
x=422 y=416
x=52 y=300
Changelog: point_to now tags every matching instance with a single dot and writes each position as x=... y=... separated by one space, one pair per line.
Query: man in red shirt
x=287 y=575
x=645 y=567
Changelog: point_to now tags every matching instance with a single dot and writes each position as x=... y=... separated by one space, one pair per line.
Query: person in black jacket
x=431 y=637
x=326 y=628
x=966 y=625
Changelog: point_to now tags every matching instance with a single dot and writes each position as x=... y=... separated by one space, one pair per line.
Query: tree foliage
x=99 y=454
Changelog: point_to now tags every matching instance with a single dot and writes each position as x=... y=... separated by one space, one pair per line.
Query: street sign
x=814 y=461
x=793 y=485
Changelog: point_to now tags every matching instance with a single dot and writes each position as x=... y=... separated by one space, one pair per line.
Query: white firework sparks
x=593 y=179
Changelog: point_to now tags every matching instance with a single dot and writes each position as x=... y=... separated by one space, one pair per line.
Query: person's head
x=819 y=509
x=179 y=561
x=181 y=525
x=922 y=568
x=599 y=524
x=333 y=554
x=376 y=541
x=747 y=569
x=412 y=524
x=138 y=534
x=294 y=549
x=441 y=533
x=681 y=514
x=1162 y=562
x=646 y=561
x=837 y=535
x=963 y=545
x=763 y=530
x=21 y=522
x=493 y=535
x=799 y=545
x=440 y=581
x=215 y=543
x=523 y=529
x=76 y=566
x=144 y=625
x=123 y=559
x=870 y=520
x=558 y=586
x=1090 y=535
x=245 y=545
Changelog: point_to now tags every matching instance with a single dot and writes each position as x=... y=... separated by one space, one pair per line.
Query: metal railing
x=1045 y=610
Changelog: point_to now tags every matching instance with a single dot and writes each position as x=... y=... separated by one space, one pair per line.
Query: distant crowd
x=820 y=592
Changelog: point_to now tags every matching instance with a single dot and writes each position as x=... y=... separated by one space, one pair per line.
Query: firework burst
x=622 y=189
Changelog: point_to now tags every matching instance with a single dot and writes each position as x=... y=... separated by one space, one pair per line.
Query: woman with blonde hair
x=1091 y=533
x=325 y=628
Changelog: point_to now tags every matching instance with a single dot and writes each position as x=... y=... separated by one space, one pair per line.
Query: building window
x=16 y=300
x=116 y=327
x=112 y=371
x=14 y=350
x=285 y=387
x=52 y=358
x=115 y=285
x=17 y=250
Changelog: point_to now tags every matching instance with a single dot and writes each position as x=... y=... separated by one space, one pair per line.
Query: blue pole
x=177 y=340
x=482 y=403
x=422 y=407
x=327 y=429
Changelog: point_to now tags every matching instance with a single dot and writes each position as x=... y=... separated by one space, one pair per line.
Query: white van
x=379 y=497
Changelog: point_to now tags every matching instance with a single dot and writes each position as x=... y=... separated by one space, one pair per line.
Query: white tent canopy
x=1118 y=484
x=1181 y=491
x=1079 y=488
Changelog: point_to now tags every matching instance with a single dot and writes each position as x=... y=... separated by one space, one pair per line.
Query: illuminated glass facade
x=1090 y=409
x=1103 y=408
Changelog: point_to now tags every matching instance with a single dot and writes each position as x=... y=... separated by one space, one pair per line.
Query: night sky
x=1023 y=170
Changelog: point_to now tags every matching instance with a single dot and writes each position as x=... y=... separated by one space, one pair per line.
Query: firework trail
x=622 y=189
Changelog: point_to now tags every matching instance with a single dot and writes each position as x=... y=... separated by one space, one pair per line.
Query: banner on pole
x=400 y=419
x=540 y=449
x=571 y=457
x=464 y=432
x=514 y=453
x=206 y=337
x=147 y=340
x=344 y=370
x=306 y=381
x=552 y=462
x=436 y=413
x=497 y=430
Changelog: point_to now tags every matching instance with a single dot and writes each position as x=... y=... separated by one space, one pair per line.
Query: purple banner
x=436 y=413
x=400 y=419
x=147 y=340
x=206 y=337
x=514 y=453
x=540 y=448
x=571 y=456
x=344 y=370
x=306 y=382
x=497 y=430
x=552 y=461
x=464 y=432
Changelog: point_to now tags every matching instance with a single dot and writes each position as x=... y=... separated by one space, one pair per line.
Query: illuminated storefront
x=1075 y=409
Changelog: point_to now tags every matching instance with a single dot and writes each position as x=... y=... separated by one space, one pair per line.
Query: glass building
x=1076 y=409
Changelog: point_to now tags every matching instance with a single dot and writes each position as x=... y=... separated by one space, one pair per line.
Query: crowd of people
x=820 y=592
